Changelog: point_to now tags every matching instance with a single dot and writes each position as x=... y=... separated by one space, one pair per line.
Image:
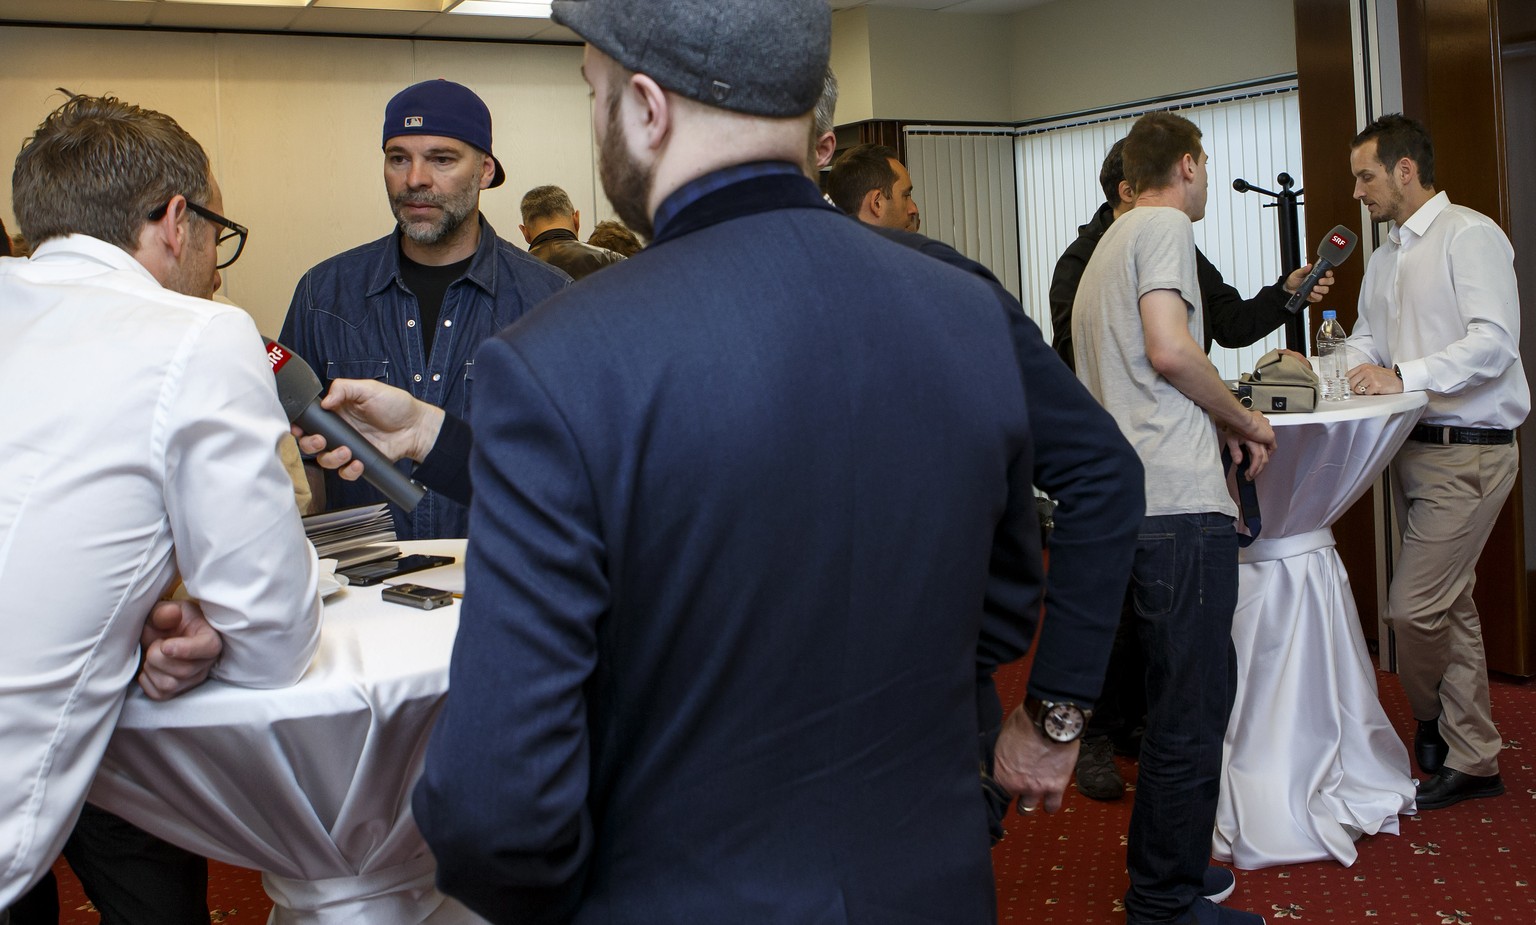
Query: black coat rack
x=1286 y=201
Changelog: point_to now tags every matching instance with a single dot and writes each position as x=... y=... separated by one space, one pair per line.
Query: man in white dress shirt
x=1440 y=313
x=139 y=448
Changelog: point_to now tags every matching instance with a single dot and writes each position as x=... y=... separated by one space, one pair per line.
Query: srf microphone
x=298 y=389
x=1334 y=250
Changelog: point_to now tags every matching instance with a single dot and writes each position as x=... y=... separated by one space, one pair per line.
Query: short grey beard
x=434 y=232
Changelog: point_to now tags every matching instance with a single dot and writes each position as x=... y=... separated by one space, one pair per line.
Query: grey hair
x=826 y=106
x=543 y=201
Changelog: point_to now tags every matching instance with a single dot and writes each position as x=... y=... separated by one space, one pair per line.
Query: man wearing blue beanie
x=411 y=308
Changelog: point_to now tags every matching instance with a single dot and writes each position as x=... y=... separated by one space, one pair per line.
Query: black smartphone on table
x=371 y=573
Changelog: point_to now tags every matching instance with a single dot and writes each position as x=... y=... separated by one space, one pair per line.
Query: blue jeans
x=1184 y=589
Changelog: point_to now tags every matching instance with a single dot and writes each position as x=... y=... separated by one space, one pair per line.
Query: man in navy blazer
x=752 y=522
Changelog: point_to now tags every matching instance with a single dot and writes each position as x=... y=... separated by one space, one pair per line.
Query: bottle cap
x=1329 y=314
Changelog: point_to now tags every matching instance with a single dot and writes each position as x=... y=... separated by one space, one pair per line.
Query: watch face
x=1063 y=722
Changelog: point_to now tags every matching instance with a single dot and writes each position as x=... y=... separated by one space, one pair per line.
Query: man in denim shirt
x=411 y=308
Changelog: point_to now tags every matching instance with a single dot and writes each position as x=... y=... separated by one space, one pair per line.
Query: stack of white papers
x=353 y=535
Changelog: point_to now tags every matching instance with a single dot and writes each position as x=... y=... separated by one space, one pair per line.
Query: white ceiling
x=365 y=17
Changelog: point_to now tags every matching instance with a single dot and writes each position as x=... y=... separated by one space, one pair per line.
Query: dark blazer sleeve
x=502 y=800
x=446 y=468
x=1084 y=463
x=1011 y=605
x=1233 y=321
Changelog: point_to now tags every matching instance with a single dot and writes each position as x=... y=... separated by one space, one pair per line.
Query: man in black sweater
x=1230 y=320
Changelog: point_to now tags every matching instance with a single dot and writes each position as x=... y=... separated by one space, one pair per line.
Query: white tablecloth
x=310 y=784
x=1311 y=761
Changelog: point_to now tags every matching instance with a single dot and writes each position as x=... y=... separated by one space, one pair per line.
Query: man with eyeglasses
x=411 y=308
x=117 y=486
x=229 y=241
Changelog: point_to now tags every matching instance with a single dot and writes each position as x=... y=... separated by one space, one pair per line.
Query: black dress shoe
x=1429 y=747
x=1450 y=786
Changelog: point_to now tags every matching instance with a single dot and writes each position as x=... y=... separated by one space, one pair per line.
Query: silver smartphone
x=417 y=596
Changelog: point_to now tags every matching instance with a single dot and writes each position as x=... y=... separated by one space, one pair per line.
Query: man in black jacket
x=1230 y=320
x=550 y=225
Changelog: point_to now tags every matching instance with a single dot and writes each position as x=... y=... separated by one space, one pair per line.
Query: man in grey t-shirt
x=1136 y=324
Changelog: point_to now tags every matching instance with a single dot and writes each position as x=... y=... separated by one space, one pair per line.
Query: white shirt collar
x=93 y=249
x=1419 y=222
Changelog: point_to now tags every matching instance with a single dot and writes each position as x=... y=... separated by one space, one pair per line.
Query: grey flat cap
x=762 y=57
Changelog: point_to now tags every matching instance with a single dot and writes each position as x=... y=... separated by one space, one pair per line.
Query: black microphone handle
x=377 y=468
x=1305 y=289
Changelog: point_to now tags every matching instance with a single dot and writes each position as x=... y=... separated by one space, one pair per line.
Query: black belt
x=1485 y=436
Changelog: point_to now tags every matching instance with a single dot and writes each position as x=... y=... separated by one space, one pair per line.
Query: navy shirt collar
x=694 y=190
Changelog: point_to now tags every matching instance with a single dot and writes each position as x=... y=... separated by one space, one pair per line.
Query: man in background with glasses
x=115 y=484
x=411 y=308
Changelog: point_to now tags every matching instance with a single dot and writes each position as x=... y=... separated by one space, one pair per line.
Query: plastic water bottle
x=1332 y=358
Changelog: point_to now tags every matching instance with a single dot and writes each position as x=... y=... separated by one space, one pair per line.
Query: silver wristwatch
x=1060 y=721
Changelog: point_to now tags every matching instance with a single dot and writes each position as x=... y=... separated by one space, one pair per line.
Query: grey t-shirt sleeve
x=1165 y=257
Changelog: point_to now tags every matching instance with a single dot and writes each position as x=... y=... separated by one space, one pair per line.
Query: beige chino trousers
x=1447 y=498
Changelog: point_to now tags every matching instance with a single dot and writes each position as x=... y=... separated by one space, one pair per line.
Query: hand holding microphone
x=1334 y=250
x=298 y=389
x=400 y=425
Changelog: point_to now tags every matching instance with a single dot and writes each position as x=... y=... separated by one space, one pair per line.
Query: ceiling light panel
x=385 y=6
x=278 y=3
x=525 y=9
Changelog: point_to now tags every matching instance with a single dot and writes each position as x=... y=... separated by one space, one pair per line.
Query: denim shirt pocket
x=465 y=390
x=357 y=369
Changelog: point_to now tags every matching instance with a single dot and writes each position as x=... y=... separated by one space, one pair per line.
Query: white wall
x=1057 y=58
x=293 y=127
x=851 y=64
x=945 y=66
x=1073 y=55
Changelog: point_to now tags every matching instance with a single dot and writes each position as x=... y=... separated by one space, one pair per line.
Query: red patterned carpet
x=1471 y=864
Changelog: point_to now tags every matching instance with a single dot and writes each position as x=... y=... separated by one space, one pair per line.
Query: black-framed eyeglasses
x=231 y=241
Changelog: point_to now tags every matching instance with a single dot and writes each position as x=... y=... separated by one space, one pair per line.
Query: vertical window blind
x=964 y=184
x=1019 y=225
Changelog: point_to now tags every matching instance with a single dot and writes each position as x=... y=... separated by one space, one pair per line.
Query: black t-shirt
x=430 y=284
